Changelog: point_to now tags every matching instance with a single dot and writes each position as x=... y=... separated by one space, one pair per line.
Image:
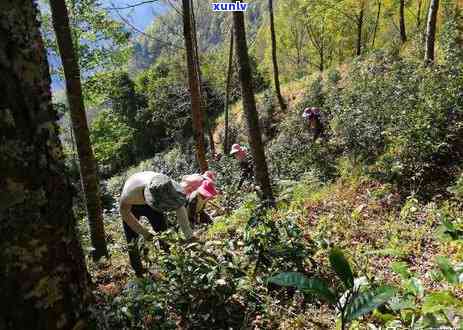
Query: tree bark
x=204 y=105
x=376 y=24
x=403 y=33
x=431 y=32
x=226 y=144
x=43 y=277
x=195 y=92
x=418 y=14
x=88 y=170
x=276 y=78
x=322 y=51
x=249 y=106
x=360 y=28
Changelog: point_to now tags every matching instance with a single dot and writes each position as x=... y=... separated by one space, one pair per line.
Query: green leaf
x=447 y=269
x=401 y=268
x=439 y=301
x=367 y=301
x=315 y=286
x=341 y=267
x=415 y=287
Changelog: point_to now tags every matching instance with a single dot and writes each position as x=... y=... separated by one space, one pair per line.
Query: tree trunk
x=226 y=144
x=194 y=88
x=403 y=33
x=321 y=66
x=431 y=32
x=360 y=28
x=204 y=105
x=43 y=277
x=376 y=24
x=210 y=132
x=418 y=14
x=249 y=106
x=276 y=78
x=88 y=171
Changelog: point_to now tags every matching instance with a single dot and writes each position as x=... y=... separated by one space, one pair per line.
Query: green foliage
x=401 y=117
x=450 y=274
x=425 y=309
x=168 y=103
x=451 y=226
x=111 y=139
x=365 y=302
x=275 y=245
x=102 y=42
x=353 y=304
x=342 y=268
x=316 y=286
x=451 y=36
x=457 y=188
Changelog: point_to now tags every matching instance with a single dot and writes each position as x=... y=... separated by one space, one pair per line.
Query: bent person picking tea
x=151 y=195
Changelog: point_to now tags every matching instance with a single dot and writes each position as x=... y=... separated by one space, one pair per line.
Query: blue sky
x=140 y=16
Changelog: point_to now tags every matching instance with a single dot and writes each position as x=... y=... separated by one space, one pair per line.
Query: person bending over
x=151 y=194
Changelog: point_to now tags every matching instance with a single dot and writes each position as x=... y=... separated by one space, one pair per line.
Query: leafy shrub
x=402 y=117
x=275 y=244
x=315 y=95
x=111 y=139
x=353 y=303
x=292 y=153
x=416 y=307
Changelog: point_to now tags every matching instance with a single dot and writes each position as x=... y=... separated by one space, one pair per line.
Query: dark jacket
x=247 y=170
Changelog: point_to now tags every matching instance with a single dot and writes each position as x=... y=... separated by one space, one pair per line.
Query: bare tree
x=226 y=142
x=431 y=32
x=418 y=13
x=378 y=16
x=194 y=84
x=320 y=41
x=276 y=78
x=208 y=121
x=88 y=169
x=44 y=280
x=249 y=105
x=360 y=20
x=403 y=33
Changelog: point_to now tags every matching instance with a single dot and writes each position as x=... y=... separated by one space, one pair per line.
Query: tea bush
x=403 y=119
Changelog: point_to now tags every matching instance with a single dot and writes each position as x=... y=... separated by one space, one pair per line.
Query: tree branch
x=131 y=6
x=145 y=34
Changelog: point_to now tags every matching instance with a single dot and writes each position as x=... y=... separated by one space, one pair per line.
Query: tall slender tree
x=208 y=122
x=418 y=14
x=88 y=169
x=43 y=277
x=226 y=142
x=360 y=20
x=431 y=32
x=194 y=84
x=378 y=16
x=249 y=106
x=403 y=32
x=276 y=78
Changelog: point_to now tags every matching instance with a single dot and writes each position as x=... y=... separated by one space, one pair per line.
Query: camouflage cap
x=163 y=194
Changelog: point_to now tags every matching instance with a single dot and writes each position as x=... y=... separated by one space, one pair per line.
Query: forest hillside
x=297 y=165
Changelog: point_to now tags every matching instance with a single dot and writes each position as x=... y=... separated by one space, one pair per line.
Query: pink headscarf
x=238 y=151
x=191 y=183
x=207 y=190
